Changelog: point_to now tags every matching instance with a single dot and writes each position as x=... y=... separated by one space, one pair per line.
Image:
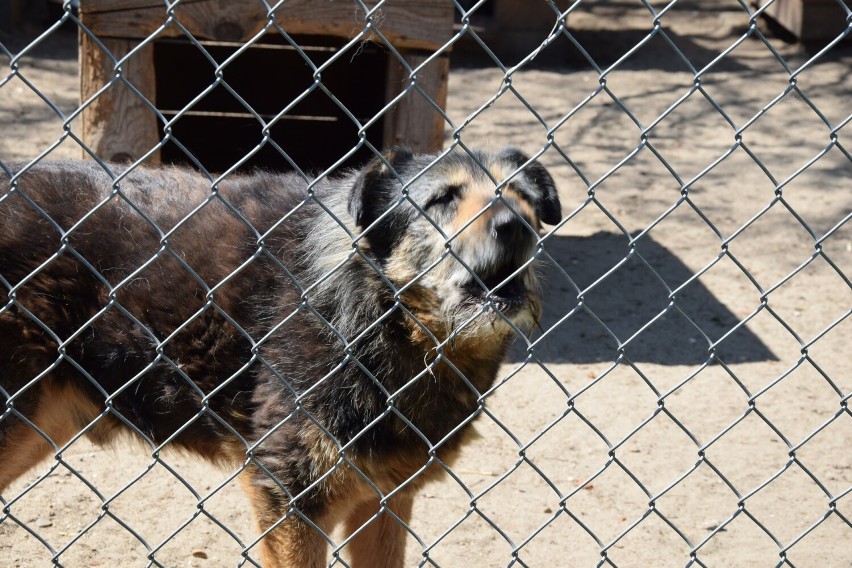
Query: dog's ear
x=377 y=186
x=546 y=198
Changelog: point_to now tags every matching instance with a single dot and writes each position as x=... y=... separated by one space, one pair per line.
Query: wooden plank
x=411 y=24
x=90 y=6
x=413 y=122
x=117 y=125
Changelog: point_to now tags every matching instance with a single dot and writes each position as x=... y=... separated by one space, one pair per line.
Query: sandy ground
x=654 y=461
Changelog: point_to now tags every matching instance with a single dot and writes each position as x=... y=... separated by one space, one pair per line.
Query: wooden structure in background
x=808 y=19
x=119 y=125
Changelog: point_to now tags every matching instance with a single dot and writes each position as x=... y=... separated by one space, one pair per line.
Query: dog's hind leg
x=22 y=446
x=54 y=413
x=380 y=544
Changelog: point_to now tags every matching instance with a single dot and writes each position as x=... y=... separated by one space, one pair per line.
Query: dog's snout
x=506 y=226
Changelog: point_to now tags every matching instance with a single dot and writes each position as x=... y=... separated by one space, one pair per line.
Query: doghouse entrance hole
x=219 y=130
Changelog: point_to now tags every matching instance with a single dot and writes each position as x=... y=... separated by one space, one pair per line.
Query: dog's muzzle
x=504 y=277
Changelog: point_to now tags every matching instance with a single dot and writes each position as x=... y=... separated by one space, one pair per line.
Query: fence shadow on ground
x=628 y=300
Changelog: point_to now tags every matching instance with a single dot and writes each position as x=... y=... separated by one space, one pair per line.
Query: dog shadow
x=625 y=307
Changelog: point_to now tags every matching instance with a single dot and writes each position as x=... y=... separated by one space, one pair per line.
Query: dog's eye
x=449 y=195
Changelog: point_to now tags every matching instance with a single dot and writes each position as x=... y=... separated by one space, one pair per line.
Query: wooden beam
x=118 y=126
x=414 y=122
x=408 y=24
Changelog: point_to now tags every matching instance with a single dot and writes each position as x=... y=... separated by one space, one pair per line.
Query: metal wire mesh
x=686 y=400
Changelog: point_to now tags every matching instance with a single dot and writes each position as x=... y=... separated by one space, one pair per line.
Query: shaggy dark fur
x=324 y=334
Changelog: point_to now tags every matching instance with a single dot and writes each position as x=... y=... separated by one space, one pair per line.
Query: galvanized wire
x=701 y=447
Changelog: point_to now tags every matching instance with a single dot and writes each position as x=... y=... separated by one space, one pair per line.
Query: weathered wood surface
x=414 y=122
x=118 y=125
x=408 y=24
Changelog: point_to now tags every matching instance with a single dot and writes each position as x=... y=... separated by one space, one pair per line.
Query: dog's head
x=457 y=235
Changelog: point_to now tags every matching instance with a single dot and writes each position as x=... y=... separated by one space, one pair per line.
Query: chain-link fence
x=684 y=398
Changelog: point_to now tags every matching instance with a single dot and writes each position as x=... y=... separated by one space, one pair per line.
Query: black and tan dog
x=332 y=337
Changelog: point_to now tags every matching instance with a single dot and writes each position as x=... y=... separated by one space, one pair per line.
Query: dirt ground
x=649 y=458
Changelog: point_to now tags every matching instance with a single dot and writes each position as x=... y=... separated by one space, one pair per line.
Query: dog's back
x=104 y=286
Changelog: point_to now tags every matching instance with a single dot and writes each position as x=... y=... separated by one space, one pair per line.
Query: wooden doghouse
x=267 y=76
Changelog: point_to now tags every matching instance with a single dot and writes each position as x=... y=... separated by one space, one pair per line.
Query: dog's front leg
x=293 y=544
x=291 y=541
x=381 y=543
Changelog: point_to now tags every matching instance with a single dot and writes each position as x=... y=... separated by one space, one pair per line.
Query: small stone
x=199 y=553
x=43 y=523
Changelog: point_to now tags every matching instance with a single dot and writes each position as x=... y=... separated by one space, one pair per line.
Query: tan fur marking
x=477 y=199
x=291 y=544
x=425 y=306
x=458 y=176
x=22 y=449
x=62 y=411
x=521 y=205
x=296 y=544
x=473 y=201
x=342 y=485
x=382 y=542
x=499 y=170
x=323 y=451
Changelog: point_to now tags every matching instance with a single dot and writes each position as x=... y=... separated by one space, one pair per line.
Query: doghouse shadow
x=627 y=301
x=604 y=47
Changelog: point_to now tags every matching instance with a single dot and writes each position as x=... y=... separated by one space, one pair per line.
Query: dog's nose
x=506 y=226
